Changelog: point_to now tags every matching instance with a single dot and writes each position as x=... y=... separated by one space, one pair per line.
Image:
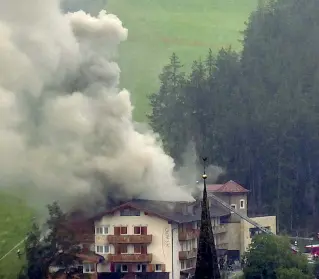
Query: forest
x=254 y=112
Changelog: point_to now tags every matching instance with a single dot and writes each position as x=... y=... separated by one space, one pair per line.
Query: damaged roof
x=168 y=210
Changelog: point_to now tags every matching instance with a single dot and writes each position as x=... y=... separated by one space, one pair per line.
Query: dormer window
x=130 y=212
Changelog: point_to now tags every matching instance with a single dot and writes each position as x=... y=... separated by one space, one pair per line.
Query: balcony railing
x=188 y=235
x=129 y=239
x=185 y=255
x=130 y=258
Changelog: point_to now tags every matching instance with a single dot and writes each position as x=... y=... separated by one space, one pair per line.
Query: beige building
x=238 y=233
x=158 y=240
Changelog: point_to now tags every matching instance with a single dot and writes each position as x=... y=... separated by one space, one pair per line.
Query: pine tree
x=60 y=246
x=168 y=109
x=207 y=262
x=57 y=247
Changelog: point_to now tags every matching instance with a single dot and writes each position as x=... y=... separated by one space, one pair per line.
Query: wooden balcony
x=129 y=239
x=188 y=235
x=130 y=258
x=185 y=255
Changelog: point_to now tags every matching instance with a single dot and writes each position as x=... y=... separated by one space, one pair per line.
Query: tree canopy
x=55 y=247
x=255 y=113
x=270 y=257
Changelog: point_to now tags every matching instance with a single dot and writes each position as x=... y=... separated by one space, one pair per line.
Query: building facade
x=158 y=240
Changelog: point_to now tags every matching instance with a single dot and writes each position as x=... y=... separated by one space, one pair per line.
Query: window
x=137 y=249
x=242 y=204
x=194 y=244
x=88 y=268
x=123 y=249
x=233 y=206
x=98 y=230
x=102 y=230
x=123 y=230
x=124 y=268
x=130 y=212
x=158 y=267
x=182 y=265
x=102 y=249
x=140 y=249
x=137 y=230
x=99 y=249
x=106 y=230
x=138 y=268
x=189 y=263
x=106 y=249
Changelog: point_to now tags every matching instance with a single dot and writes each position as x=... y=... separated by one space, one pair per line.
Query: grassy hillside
x=159 y=27
x=14 y=223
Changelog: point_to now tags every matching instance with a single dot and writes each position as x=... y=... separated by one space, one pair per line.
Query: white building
x=158 y=240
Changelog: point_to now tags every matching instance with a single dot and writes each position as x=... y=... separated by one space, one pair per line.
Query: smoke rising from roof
x=66 y=129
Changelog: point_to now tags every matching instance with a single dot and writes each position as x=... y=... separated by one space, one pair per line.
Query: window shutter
x=117 y=249
x=137 y=248
x=163 y=267
x=117 y=230
x=143 y=249
x=144 y=230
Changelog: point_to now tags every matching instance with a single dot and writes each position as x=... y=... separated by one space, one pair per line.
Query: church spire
x=207 y=262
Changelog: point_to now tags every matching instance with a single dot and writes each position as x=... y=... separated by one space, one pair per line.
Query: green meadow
x=156 y=29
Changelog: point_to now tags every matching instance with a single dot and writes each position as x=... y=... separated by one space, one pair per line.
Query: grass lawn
x=14 y=223
x=157 y=28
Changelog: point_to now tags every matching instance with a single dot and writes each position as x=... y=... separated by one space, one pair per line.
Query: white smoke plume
x=66 y=129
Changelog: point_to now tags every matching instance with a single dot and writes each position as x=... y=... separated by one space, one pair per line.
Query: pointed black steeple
x=207 y=262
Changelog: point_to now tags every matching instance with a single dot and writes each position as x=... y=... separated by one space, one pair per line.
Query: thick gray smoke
x=191 y=171
x=66 y=130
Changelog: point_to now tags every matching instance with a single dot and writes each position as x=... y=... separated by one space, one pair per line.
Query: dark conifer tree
x=57 y=248
x=207 y=262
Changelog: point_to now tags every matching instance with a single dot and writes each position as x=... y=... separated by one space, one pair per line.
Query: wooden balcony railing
x=185 y=255
x=129 y=239
x=188 y=235
x=130 y=258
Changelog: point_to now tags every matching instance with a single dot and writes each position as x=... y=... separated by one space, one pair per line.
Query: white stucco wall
x=176 y=248
x=160 y=229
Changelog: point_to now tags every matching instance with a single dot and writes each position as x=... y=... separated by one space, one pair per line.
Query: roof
x=229 y=187
x=167 y=210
